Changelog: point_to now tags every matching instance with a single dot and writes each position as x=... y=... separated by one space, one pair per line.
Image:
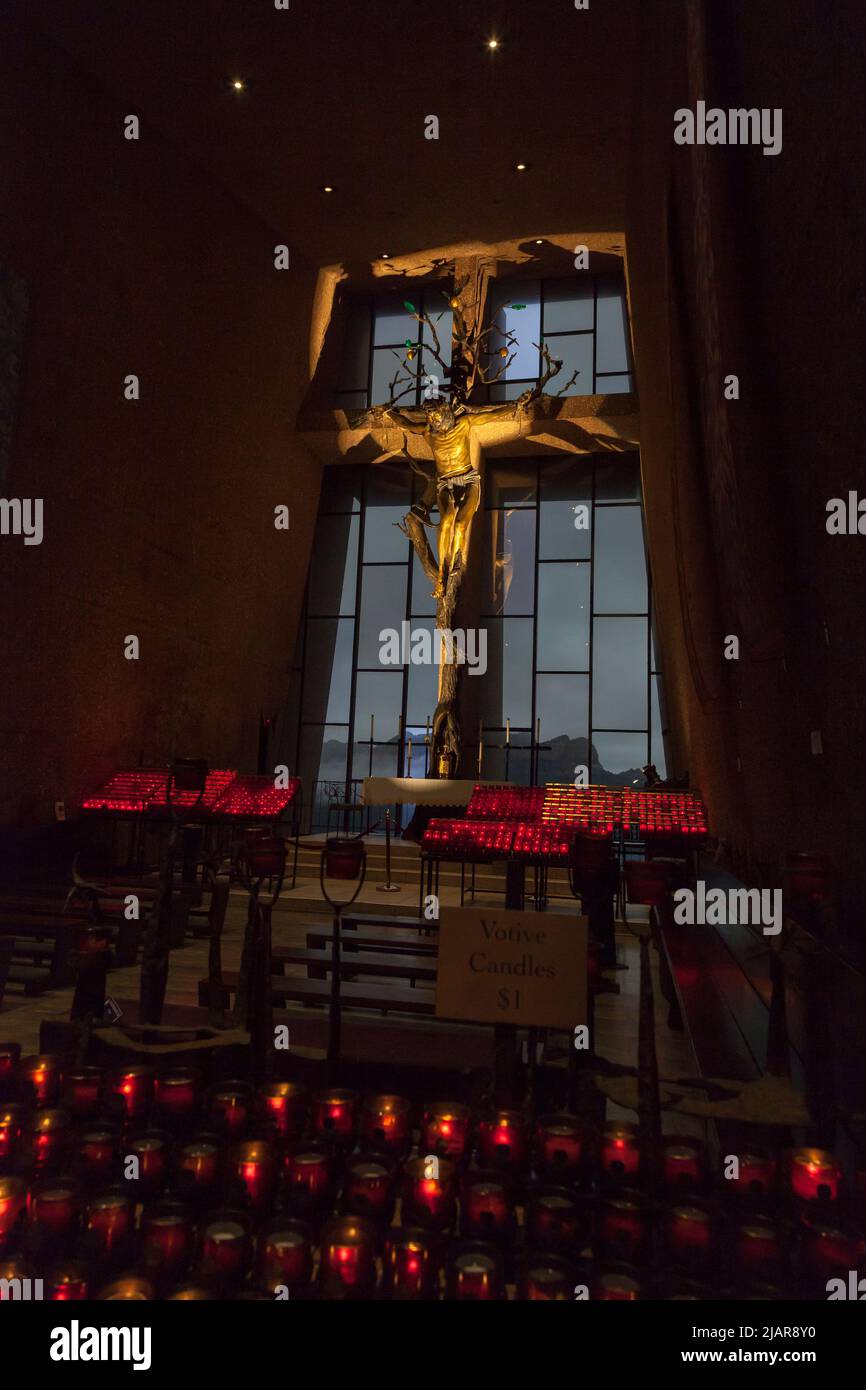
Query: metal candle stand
x=335 y=1019
x=388 y=886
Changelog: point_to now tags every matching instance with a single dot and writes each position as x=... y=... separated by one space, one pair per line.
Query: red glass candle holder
x=151 y=1150
x=555 y=1220
x=309 y=1180
x=82 y=1092
x=503 y=1139
x=283 y=1105
x=166 y=1240
x=475 y=1275
x=758 y=1251
x=13 y=1208
x=13 y=1118
x=385 y=1123
x=130 y=1288
x=54 y=1212
x=368 y=1188
x=756 y=1175
x=10 y=1056
x=689 y=1236
x=285 y=1256
x=108 y=1225
x=446 y=1129
x=176 y=1095
x=347 y=1250
x=620 y=1152
x=229 y=1108
x=545 y=1278
x=335 y=1114
x=410 y=1266
x=198 y=1169
x=814 y=1175
x=429 y=1192
x=95 y=1154
x=827 y=1251
x=560 y=1144
x=48 y=1139
x=189 y=1293
x=17 y=1268
x=616 y=1287
x=225 y=1249
x=39 y=1079
x=624 y=1228
x=343 y=857
x=132 y=1089
x=67 y=1283
x=486 y=1210
x=253 y=1171
x=683 y=1164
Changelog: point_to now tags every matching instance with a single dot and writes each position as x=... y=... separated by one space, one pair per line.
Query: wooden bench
x=40 y=948
x=24 y=910
x=374 y=994
x=361 y=921
x=385 y=963
x=402 y=942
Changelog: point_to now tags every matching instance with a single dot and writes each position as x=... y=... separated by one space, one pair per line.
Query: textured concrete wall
x=158 y=513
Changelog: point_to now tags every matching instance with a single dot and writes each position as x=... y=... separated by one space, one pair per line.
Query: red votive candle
x=197 y=1168
x=334 y=1114
x=385 y=1123
x=545 y=1279
x=230 y=1108
x=620 y=1154
x=14 y=1267
x=369 y=1187
x=10 y=1056
x=284 y=1105
x=48 y=1139
x=560 y=1145
x=503 y=1139
x=827 y=1251
x=13 y=1204
x=285 y=1256
x=475 y=1277
x=82 y=1092
x=615 y=1287
x=108 y=1222
x=690 y=1234
x=253 y=1172
x=554 y=1220
x=624 y=1228
x=54 y=1210
x=133 y=1088
x=166 y=1240
x=757 y=1250
x=176 y=1094
x=409 y=1264
x=132 y=1288
x=12 y=1119
x=486 y=1211
x=189 y=1293
x=347 y=1250
x=309 y=1180
x=446 y=1129
x=40 y=1079
x=756 y=1175
x=226 y=1249
x=67 y=1284
x=815 y=1175
x=429 y=1192
x=95 y=1154
x=151 y=1150
x=682 y=1163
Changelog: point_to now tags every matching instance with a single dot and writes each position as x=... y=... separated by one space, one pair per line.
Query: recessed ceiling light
x=327 y=188
x=238 y=84
x=492 y=43
x=521 y=167
x=386 y=256
x=539 y=240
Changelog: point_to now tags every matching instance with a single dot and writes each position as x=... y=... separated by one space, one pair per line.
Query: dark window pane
x=510 y=390
x=615 y=385
x=575 y=354
x=423 y=680
x=381 y=695
x=567 y=305
x=563 y=616
x=524 y=323
x=423 y=602
x=510 y=484
x=341 y=489
x=328 y=670
x=619 y=759
x=383 y=606
x=352 y=400
x=387 y=367
x=323 y=757
x=442 y=322
x=611 y=354
x=617 y=478
x=393 y=323
x=384 y=764
x=387 y=502
x=510 y=562
x=562 y=705
x=620 y=562
x=356 y=347
x=334 y=566
x=565 y=485
x=619 y=678
x=506 y=689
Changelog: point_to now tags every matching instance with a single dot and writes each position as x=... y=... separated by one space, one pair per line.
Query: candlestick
x=538 y=730
x=308 y=1180
x=409 y=1264
x=166 y=1240
x=175 y=1094
x=334 y=1114
x=284 y=1105
x=560 y=1144
x=285 y=1255
x=198 y=1169
x=427 y=729
x=507 y=731
x=756 y=1174
x=347 y=1257
x=409 y=759
x=53 y=1212
x=428 y=1200
x=95 y=1153
x=372 y=727
x=229 y=1108
x=689 y=1235
x=49 y=1138
x=151 y=1152
x=682 y=1163
x=253 y=1169
x=475 y=1276
x=40 y=1077
x=503 y=1139
x=620 y=1154
x=108 y=1222
x=815 y=1175
x=555 y=1220
x=82 y=1091
x=758 y=1250
x=385 y=1123
x=369 y=1187
x=226 y=1249
x=486 y=1211
x=133 y=1087
x=446 y=1129
x=624 y=1231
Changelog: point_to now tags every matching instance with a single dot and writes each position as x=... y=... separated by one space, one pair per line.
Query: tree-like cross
x=447 y=421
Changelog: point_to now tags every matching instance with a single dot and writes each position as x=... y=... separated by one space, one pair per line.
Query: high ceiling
x=337 y=92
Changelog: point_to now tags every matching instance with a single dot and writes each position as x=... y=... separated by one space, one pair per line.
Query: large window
x=564 y=601
x=582 y=321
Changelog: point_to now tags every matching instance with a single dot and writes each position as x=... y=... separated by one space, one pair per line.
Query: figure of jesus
x=457 y=484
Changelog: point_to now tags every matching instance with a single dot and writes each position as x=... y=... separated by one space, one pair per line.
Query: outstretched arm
x=508 y=410
x=382 y=413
